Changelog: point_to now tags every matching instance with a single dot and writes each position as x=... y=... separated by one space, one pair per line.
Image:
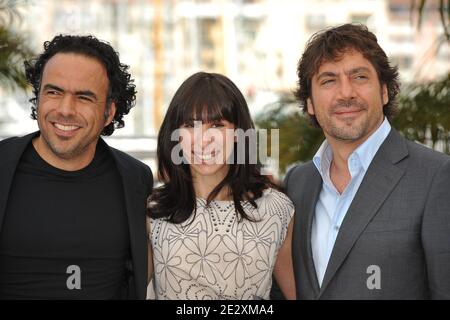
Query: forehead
x=206 y=112
x=345 y=62
x=74 y=71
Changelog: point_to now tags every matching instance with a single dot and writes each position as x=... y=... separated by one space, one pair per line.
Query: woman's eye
x=217 y=125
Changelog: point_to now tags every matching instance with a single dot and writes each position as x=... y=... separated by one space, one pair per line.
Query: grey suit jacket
x=399 y=222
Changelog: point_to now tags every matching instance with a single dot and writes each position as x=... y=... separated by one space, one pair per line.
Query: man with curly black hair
x=72 y=209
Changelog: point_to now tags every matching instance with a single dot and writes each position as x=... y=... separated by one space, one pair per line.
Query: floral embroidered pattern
x=166 y=267
x=203 y=256
x=218 y=257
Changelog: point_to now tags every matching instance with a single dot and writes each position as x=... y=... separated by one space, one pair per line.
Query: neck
x=341 y=153
x=69 y=164
x=342 y=149
x=339 y=172
x=204 y=185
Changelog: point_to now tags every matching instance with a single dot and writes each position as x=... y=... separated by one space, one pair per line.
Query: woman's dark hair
x=329 y=45
x=121 y=89
x=209 y=97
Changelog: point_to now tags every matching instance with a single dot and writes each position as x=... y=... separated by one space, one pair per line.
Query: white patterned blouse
x=217 y=257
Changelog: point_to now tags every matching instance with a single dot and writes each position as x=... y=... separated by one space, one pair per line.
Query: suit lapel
x=11 y=155
x=380 y=179
x=315 y=182
x=305 y=201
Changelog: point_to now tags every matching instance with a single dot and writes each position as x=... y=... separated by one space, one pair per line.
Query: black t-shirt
x=65 y=233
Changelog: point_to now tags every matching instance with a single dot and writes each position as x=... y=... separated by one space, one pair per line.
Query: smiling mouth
x=65 y=127
x=65 y=130
x=205 y=156
x=347 y=112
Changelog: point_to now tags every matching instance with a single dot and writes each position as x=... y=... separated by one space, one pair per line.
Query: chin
x=208 y=170
x=65 y=153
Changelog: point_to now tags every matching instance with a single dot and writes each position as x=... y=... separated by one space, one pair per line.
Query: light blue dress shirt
x=332 y=206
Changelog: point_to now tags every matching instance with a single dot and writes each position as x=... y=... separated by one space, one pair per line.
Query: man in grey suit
x=372 y=208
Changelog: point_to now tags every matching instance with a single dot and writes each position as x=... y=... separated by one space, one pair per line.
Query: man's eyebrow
x=326 y=74
x=349 y=72
x=358 y=70
x=87 y=93
x=52 y=87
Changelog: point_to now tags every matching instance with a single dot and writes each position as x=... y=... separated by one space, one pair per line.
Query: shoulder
x=422 y=162
x=131 y=161
x=273 y=195
x=276 y=202
x=276 y=211
x=12 y=148
x=412 y=155
x=299 y=172
x=430 y=165
x=132 y=165
x=9 y=143
x=424 y=153
x=301 y=169
x=12 y=142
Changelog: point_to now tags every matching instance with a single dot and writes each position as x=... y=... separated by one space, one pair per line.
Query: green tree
x=424 y=113
x=299 y=140
x=13 y=48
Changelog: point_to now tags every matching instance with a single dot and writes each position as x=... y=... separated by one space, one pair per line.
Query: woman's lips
x=205 y=157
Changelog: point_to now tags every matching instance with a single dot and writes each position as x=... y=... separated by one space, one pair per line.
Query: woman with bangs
x=218 y=228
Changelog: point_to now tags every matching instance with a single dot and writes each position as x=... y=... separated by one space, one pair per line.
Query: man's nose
x=67 y=104
x=346 y=89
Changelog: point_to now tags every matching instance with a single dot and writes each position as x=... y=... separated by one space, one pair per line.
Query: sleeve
x=148 y=179
x=286 y=178
x=288 y=214
x=280 y=206
x=436 y=234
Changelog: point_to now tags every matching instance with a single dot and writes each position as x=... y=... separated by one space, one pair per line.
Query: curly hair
x=329 y=45
x=121 y=89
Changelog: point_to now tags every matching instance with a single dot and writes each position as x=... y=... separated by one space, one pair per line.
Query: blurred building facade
x=257 y=43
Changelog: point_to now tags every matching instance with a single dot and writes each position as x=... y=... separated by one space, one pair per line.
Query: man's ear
x=110 y=113
x=310 y=107
x=385 y=95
